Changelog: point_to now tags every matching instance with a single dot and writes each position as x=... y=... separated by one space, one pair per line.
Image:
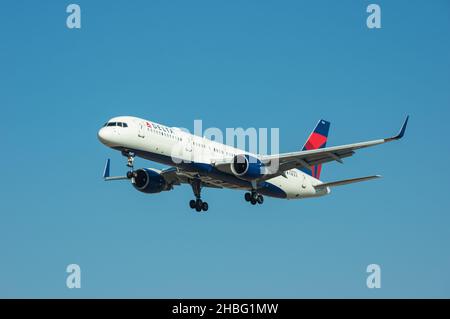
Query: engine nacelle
x=247 y=167
x=149 y=181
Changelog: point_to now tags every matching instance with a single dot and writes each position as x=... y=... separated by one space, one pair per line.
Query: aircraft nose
x=103 y=135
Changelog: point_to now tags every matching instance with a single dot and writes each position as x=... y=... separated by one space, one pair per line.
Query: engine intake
x=247 y=167
x=149 y=181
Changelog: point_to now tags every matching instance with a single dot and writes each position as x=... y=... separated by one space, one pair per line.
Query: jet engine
x=247 y=167
x=149 y=181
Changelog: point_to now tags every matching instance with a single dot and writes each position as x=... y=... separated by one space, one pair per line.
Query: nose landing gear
x=254 y=198
x=130 y=163
x=130 y=158
x=197 y=204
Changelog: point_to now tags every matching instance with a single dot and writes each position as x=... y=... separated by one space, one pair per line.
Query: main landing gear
x=253 y=197
x=197 y=204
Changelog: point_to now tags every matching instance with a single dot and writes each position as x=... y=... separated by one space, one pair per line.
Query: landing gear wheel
x=198 y=205
x=260 y=199
x=254 y=198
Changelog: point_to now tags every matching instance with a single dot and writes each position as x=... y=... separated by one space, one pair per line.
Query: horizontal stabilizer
x=346 y=181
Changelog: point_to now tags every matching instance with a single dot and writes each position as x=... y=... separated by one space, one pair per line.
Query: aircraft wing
x=171 y=175
x=175 y=176
x=310 y=158
x=346 y=181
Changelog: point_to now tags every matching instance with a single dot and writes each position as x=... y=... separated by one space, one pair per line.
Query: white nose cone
x=104 y=136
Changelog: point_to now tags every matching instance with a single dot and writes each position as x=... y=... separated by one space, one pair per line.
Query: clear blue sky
x=269 y=64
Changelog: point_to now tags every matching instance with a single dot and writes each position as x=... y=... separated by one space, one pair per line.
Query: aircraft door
x=188 y=145
x=142 y=128
x=187 y=148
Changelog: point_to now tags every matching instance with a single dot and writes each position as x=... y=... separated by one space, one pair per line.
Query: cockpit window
x=121 y=124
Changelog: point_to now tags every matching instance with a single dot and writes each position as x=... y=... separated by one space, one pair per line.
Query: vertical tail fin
x=317 y=139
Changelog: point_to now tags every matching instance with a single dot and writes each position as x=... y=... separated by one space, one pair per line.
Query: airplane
x=203 y=163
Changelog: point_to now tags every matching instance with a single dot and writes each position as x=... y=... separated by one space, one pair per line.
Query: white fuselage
x=173 y=146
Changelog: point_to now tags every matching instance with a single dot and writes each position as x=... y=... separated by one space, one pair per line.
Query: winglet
x=403 y=129
x=401 y=133
x=106 y=170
